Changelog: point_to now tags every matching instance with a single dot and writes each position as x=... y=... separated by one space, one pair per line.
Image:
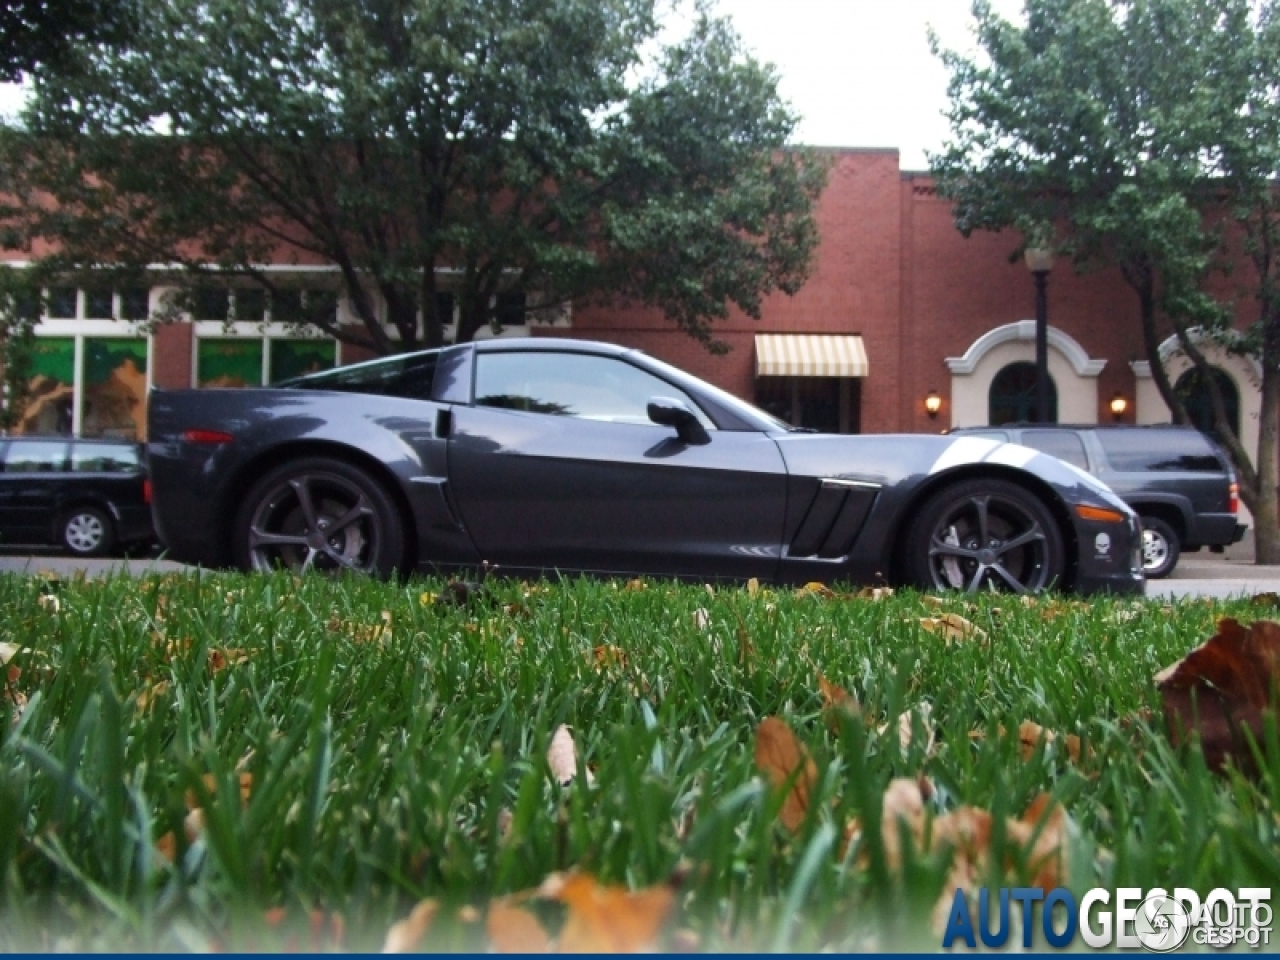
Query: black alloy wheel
x=319 y=514
x=985 y=534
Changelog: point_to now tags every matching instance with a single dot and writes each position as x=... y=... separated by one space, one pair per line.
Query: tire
x=87 y=532
x=1023 y=550
x=279 y=522
x=1160 y=548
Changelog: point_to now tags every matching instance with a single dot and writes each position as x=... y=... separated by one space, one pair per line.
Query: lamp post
x=1040 y=262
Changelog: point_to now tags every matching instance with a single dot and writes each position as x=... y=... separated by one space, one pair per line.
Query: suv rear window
x=1159 y=450
x=1063 y=444
x=104 y=458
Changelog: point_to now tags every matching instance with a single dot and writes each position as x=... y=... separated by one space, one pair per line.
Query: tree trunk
x=1266 y=510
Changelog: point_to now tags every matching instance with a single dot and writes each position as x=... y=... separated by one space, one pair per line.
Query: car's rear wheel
x=984 y=534
x=1160 y=548
x=87 y=532
x=319 y=514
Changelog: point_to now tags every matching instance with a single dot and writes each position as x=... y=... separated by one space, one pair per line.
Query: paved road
x=1201 y=574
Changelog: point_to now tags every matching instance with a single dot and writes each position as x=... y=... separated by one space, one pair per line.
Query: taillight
x=146 y=490
x=1233 y=498
x=212 y=437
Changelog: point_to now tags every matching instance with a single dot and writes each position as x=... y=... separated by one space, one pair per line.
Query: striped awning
x=810 y=355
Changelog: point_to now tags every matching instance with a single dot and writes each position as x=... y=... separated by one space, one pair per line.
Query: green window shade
x=226 y=362
x=52 y=387
x=293 y=358
x=115 y=387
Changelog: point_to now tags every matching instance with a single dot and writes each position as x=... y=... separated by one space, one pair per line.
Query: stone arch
x=1074 y=372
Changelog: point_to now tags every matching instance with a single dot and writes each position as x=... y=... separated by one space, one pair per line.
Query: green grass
x=382 y=765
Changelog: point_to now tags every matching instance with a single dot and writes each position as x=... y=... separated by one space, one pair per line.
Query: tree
x=1140 y=134
x=45 y=32
x=520 y=145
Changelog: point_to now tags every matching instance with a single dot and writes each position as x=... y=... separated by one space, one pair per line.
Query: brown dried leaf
x=607 y=657
x=221 y=659
x=779 y=756
x=952 y=626
x=753 y=587
x=49 y=602
x=167 y=846
x=1030 y=734
x=147 y=696
x=874 y=593
x=611 y=919
x=1220 y=690
x=906 y=724
x=8 y=651
x=562 y=757
x=637 y=584
x=835 y=697
x=406 y=936
x=816 y=589
x=512 y=929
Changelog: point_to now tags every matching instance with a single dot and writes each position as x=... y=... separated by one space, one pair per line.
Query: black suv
x=1175 y=478
x=87 y=496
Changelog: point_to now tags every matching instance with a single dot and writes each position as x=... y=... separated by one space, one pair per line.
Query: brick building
x=899 y=306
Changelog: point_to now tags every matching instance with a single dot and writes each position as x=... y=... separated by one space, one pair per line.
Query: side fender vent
x=835 y=516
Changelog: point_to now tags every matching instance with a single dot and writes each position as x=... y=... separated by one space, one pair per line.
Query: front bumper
x=1110 y=558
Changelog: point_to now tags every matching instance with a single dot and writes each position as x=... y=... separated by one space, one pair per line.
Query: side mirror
x=669 y=412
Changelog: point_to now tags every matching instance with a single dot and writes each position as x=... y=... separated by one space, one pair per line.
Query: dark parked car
x=1178 y=480
x=545 y=455
x=88 y=496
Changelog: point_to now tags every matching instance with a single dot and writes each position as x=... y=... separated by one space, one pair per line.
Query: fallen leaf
x=835 y=697
x=1030 y=735
x=562 y=757
x=637 y=584
x=1221 y=689
x=874 y=593
x=49 y=602
x=221 y=659
x=753 y=587
x=906 y=726
x=7 y=651
x=701 y=619
x=513 y=929
x=167 y=846
x=147 y=696
x=406 y=935
x=611 y=919
x=1267 y=599
x=952 y=626
x=607 y=656
x=816 y=589
x=779 y=756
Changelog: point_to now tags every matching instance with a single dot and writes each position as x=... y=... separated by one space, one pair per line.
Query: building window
x=97 y=303
x=62 y=303
x=254 y=361
x=51 y=390
x=211 y=303
x=115 y=387
x=824 y=404
x=1193 y=388
x=1012 y=398
x=510 y=309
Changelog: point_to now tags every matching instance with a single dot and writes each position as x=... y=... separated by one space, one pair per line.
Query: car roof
x=550 y=343
x=1025 y=425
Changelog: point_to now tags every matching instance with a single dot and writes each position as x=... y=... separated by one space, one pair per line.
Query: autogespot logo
x=1156 y=920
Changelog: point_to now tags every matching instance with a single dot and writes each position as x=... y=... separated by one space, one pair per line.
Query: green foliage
x=44 y=34
x=552 y=147
x=19 y=312
x=1143 y=134
x=385 y=734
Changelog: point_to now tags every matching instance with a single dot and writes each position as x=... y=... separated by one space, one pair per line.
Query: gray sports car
x=548 y=455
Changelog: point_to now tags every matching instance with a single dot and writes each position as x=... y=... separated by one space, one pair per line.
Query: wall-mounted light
x=1118 y=406
x=933 y=403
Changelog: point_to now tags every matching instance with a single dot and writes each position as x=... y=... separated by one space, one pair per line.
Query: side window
x=572 y=385
x=104 y=458
x=35 y=456
x=1161 y=450
x=1063 y=444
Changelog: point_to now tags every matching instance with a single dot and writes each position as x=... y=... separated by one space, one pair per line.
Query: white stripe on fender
x=964 y=450
x=1013 y=455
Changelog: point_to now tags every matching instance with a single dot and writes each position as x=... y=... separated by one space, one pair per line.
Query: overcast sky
x=859 y=72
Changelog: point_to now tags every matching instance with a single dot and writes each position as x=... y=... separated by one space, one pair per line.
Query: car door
x=32 y=472
x=556 y=465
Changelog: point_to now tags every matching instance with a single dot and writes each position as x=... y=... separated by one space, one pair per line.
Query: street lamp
x=1040 y=262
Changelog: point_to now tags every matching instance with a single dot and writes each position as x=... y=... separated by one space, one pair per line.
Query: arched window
x=1193 y=388
x=1012 y=398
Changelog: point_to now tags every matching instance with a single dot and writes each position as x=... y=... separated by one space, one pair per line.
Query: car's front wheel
x=87 y=532
x=322 y=514
x=1160 y=548
x=984 y=534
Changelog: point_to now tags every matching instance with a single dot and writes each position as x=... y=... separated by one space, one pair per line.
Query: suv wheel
x=1160 y=548
x=86 y=532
